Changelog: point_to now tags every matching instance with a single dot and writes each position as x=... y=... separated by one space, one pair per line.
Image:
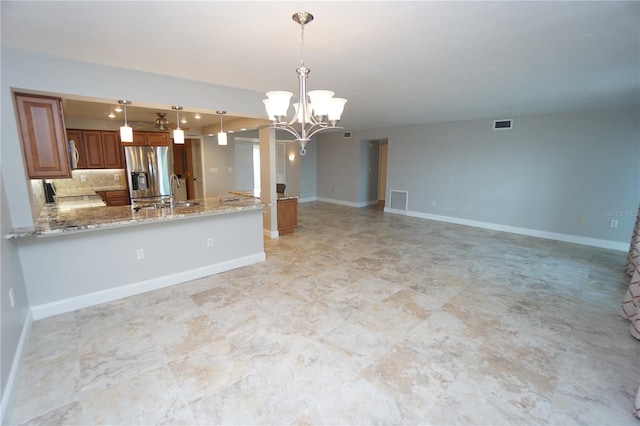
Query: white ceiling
x=396 y=62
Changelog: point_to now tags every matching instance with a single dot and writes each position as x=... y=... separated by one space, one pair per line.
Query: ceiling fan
x=161 y=124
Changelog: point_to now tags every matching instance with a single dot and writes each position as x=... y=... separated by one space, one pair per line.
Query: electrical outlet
x=210 y=242
x=581 y=219
x=613 y=223
x=83 y=178
x=116 y=177
x=433 y=203
x=140 y=253
x=12 y=298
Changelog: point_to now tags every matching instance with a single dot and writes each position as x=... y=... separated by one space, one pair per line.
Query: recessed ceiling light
x=210 y=134
x=117 y=109
x=183 y=121
x=111 y=115
x=242 y=129
x=197 y=116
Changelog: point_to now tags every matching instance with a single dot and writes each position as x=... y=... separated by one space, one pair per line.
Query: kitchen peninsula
x=74 y=258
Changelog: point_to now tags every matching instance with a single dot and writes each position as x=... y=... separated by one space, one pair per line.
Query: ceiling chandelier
x=315 y=111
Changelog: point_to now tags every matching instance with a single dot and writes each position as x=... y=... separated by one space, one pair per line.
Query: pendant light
x=126 y=132
x=222 y=136
x=178 y=134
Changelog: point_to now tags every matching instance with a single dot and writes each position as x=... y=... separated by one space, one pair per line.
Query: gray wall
x=542 y=175
x=308 y=170
x=244 y=165
x=12 y=319
x=174 y=251
x=219 y=166
x=338 y=167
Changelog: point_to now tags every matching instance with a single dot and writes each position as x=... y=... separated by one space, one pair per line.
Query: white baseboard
x=16 y=366
x=271 y=234
x=347 y=203
x=307 y=200
x=395 y=211
x=575 y=239
x=78 y=302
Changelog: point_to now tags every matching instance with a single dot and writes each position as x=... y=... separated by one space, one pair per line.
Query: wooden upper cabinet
x=78 y=140
x=149 y=138
x=93 y=149
x=97 y=149
x=43 y=136
x=156 y=138
x=139 y=138
x=111 y=150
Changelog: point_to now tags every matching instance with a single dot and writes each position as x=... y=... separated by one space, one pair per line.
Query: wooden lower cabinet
x=287 y=215
x=115 y=198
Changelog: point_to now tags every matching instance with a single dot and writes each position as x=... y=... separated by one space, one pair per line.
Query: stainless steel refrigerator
x=148 y=172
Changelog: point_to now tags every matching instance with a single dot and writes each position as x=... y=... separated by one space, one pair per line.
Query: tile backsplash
x=86 y=182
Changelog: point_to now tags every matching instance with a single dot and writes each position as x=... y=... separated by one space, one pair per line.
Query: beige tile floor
x=359 y=317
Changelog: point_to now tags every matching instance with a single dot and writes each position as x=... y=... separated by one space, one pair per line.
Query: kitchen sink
x=185 y=204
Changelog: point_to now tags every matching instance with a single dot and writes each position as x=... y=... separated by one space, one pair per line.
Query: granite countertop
x=253 y=193
x=55 y=221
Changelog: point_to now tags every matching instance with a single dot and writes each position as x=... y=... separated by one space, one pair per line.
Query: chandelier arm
x=310 y=135
x=289 y=129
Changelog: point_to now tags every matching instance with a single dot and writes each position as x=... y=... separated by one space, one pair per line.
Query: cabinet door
x=117 y=198
x=139 y=138
x=287 y=215
x=111 y=150
x=93 y=149
x=77 y=137
x=43 y=136
x=158 y=138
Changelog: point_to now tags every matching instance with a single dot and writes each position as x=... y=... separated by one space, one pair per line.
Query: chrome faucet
x=172 y=178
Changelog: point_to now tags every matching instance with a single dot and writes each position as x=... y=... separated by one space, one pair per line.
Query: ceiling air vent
x=502 y=124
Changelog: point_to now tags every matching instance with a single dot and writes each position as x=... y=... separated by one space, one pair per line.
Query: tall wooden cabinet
x=43 y=136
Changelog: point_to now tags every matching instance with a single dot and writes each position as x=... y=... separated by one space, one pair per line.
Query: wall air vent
x=502 y=124
x=346 y=135
x=398 y=200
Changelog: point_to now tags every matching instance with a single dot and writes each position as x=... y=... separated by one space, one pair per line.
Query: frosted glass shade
x=335 y=108
x=178 y=137
x=321 y=100
x=278 y=103
x=222 y=138
x=126 y=134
